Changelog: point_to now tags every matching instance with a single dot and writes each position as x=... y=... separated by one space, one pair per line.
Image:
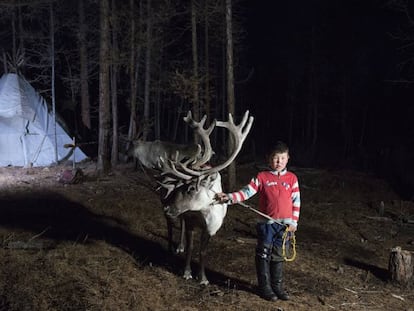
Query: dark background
x=332 y=78
x=355 y=59
x=353 y=54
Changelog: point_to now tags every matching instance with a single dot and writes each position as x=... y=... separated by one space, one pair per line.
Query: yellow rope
x=293 y=243
x=284 y=237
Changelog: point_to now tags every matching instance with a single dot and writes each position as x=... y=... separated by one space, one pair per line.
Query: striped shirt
x=279 y=195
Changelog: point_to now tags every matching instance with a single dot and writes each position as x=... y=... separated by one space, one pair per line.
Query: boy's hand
x=221 y=197
x=292 y=228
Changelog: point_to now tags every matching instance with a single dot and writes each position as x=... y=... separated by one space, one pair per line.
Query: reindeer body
x=148 y=152
x=189 y=198
x=195 y=210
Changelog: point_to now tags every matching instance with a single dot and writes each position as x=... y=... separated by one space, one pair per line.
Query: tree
x=133 y=73
x=148 y=55
x=104 y=164
x=52 y=60
x=207 y=100
x=83 y=56
x=230 y=88
x=195 y=97
x=114 y=85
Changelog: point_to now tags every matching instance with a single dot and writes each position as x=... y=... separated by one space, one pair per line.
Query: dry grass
x=101 y=245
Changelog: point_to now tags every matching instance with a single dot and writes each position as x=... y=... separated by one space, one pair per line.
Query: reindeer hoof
x=203 y=279
x=187 y=275
x=180 y=249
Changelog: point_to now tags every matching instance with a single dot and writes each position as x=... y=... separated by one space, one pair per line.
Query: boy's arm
x=295 y=203
x=241 y=195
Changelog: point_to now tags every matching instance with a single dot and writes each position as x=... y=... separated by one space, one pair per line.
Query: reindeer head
x=195 y=195
x=190 y=185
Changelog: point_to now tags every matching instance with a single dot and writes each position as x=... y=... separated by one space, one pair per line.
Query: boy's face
x=279 y=161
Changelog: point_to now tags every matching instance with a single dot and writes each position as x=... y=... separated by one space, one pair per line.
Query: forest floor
x=101 y=244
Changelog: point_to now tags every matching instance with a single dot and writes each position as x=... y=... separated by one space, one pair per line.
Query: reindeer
x=148 y=152
x=188 y=189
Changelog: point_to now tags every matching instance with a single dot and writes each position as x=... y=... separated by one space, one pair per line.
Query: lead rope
x=292 y=241
x=285 y=236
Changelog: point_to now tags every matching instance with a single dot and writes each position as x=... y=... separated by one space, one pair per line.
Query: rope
x=285 y=236
x=293 y=242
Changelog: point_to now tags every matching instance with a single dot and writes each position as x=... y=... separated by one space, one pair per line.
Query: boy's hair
x=279 y=147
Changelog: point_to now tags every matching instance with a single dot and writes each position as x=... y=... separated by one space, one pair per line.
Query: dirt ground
x=101 y=245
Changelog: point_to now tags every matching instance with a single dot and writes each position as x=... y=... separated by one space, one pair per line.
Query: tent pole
x=74 y=149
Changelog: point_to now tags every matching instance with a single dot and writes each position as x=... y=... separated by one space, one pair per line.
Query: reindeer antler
x=239 y=134
x=187 y=172
x=167 y=166
x=170 y=184
x=205 y=137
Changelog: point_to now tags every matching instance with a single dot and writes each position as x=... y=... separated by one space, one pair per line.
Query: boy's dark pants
x=269 y=261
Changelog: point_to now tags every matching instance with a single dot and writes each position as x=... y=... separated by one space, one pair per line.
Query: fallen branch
x=398 y=297
x=350 y=290
x=38 y=235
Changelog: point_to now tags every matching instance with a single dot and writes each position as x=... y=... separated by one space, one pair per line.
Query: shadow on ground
x=51 y=216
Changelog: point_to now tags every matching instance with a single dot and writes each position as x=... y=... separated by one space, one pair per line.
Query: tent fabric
x=27 y=129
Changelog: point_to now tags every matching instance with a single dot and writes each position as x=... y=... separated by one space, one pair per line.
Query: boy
x=279 y=198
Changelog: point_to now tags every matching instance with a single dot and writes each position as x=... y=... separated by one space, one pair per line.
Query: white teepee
x=27 y=130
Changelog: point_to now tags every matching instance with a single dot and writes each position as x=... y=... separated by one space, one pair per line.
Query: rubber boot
x=276 y=272
x=263 y=275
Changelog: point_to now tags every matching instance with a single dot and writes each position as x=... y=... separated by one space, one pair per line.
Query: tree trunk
x=400 y=267
x=114 y=86
x=5 y=69
x=147 y=82
x=207 y=103
x=104 y=163
x=83 y=55
x=14 y=43
x=21 y=32
x=132 y=131
x=158 y=99
x=230 y=89
x=52 y=65
x=195 y=99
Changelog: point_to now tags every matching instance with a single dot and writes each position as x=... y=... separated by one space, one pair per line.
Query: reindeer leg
x=189 y=242
x=180 y=247
x=204 y=239
x=170 y=234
